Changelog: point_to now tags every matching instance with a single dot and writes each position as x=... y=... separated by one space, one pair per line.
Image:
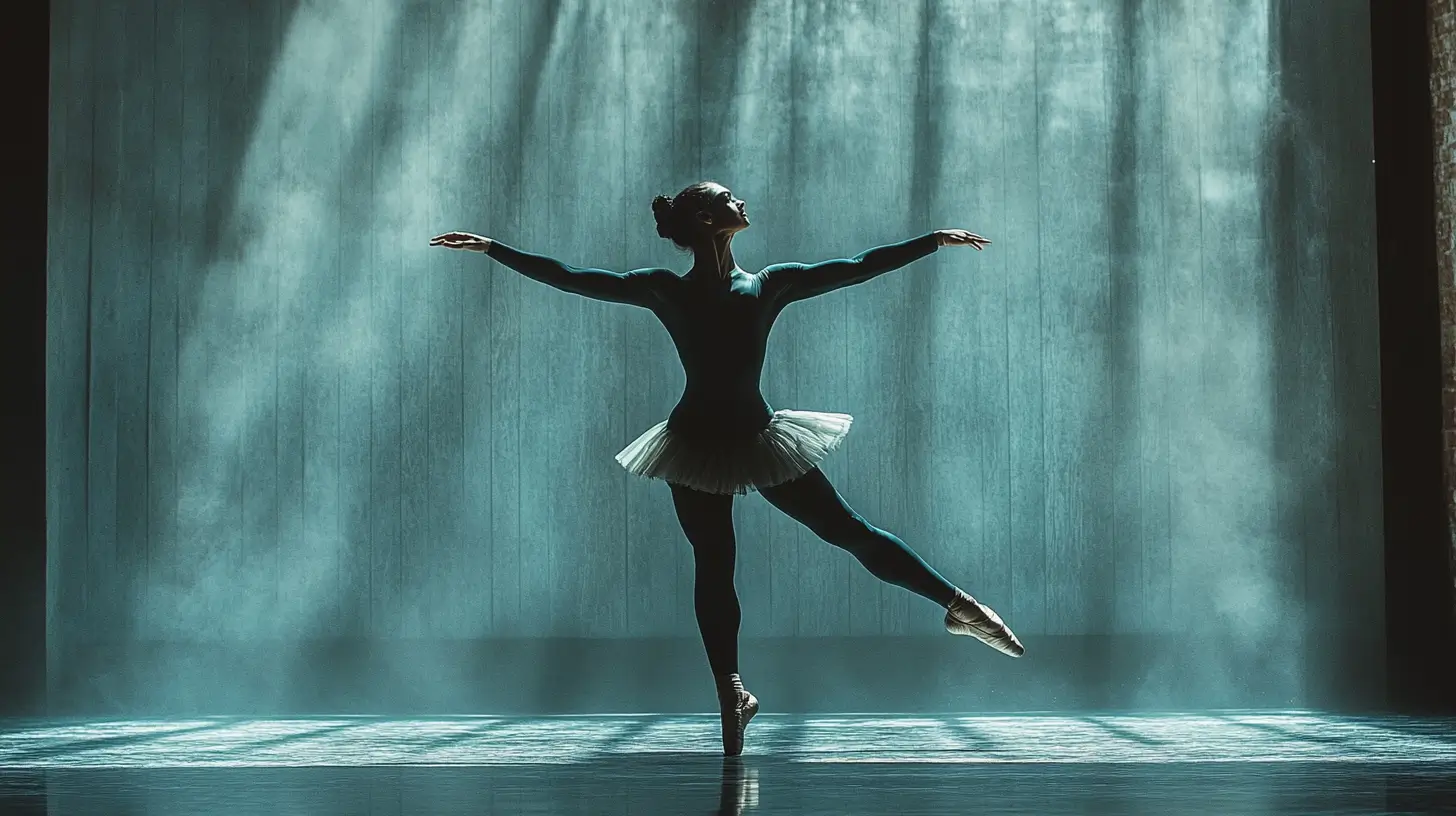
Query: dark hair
x=674 y=215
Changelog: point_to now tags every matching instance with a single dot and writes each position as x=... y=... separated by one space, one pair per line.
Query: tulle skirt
x=794 y=443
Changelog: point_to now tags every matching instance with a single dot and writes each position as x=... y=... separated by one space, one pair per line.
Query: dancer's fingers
x=960 y=237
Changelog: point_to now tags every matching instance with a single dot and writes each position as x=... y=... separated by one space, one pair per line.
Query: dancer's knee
x=713 y=545
x=847 y=529
x=714 y=560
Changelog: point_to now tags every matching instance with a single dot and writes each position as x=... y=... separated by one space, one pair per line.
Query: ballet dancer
x=722 y=439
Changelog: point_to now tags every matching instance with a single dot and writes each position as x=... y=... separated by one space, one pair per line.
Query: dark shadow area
x=1123 y=733
x=1123 y=104
x=448 y=740
x=1440 y=729
x=981 y=742
x=626 y=736
x=1290 y=388
x=23 y=793
x=1288 y=734
x=22 y=422
x=1314 y=370
x=241 y=47
x=289 y=739
x=1420 y=647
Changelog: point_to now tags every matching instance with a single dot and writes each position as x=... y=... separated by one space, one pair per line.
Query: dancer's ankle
x=730 y=687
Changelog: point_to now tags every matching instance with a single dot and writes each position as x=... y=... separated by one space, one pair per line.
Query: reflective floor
x=1227 y=762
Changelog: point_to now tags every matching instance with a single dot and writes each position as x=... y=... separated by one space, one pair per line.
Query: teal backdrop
x=276 y=417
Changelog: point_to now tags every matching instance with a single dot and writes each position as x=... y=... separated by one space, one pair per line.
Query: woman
x=722 y=439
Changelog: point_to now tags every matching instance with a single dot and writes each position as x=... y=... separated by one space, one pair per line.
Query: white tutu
x=794 y=443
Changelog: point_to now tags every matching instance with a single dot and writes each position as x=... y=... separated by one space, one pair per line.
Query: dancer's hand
x=462 y=240
x=960 y=237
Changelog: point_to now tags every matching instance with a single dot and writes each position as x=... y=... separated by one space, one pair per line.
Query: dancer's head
x=700 y=212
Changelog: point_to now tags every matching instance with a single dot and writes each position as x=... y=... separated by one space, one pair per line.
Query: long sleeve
x=637 y=287
x=795 y=281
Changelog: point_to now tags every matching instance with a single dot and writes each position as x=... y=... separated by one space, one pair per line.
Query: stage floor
x=1220 y=762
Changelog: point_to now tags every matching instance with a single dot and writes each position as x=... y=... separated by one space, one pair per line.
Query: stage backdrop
x=277 y=417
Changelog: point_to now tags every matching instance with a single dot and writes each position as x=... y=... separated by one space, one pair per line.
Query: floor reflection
x=1239 y=762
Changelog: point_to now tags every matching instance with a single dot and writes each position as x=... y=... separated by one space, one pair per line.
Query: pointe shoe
x=735 y=720
x=968 y=616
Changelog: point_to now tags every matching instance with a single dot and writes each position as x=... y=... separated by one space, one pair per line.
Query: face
x=723 y=212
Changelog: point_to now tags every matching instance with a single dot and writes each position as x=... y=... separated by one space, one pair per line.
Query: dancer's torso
x=721 y=338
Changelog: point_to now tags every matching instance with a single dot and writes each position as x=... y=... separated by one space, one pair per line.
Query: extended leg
x=813 y=502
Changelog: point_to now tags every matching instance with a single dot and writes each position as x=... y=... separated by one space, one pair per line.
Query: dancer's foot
x=737 y=707
x=735 y=715
x=968 y=616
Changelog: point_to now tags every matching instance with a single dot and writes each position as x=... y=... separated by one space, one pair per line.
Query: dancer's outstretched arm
x=796 y=281
x=637 y=287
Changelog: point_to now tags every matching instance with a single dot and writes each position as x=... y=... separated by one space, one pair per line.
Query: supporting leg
x=707 y=521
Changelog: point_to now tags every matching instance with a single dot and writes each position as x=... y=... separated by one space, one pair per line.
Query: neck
x=714 y=259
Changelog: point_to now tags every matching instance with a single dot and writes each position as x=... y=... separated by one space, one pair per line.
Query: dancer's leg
x=812 y=501
x=707 y=521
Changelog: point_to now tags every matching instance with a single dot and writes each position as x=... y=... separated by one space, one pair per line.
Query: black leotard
x=721 y=332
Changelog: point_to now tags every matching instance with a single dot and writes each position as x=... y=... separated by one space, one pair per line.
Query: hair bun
x=662 y=210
